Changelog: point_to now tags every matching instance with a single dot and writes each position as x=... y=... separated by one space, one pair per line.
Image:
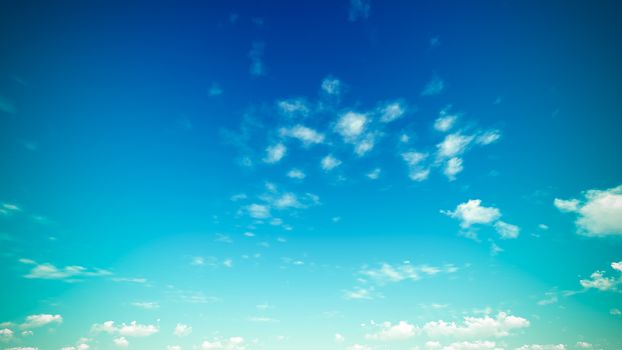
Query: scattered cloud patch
x=599 y=212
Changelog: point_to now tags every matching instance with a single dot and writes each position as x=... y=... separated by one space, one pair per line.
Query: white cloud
x=35 y=321
x=388 y=332
x=6 y=334
x=617 y=266
x=296 y=174
x=472 y=212
x=351 y=125
x=275 y=153
x=359 y=347
x=434 y=87
x=182 y=330
x=67 y=273
x=23 y=348
x=8 y=209
x=173 y=347
x=388 y=273
x=374 y=174
x=598 y=214
x=359 y=9
x=287 y=200
x=339 y=338
x=488 y=137
x=392 y=111
x=506 y=231
x=445 y=122
x=304 y=134
x=584 y=345
x=293 y=107
x=414 y=161
x=454 y=145
x=543 y=347
x=329 y=163
x=147 y=305
x=133 y=329
x=473 y=345
x=258 y=211
x=477 y=327
x=233 y=343
x=615 y=312
x=359 y=294
x=598 y=280
x=452 y=168
x=121 y=342
x=332 y=86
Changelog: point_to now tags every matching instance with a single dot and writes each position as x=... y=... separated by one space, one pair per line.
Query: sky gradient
x=289 y=175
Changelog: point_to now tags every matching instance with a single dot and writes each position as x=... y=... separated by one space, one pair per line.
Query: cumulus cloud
x=452 y=168
x=258 y=211
x=233 y=343
x=329 y=163
x=182 y=330
x=275 y=153
x=472 y=345
x=389 y=332
x=332 y=86
x=454 y=145
x=304 y=134
x=472 y=212
x=68 y=273
x=599 y=212
x=296 y=174
x=391 y=111
x=35 y=321
x=351 y=125
x=133 y=329
x=293 y=108
x=477 y=327
x=599 y=281
x=445 y=122
x=121 y=342
x=6 y=334
x=414 y=161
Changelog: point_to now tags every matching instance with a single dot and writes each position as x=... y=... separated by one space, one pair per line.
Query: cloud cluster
x=133 y=329
x=472 y=213
x=599 y=281
x=71 y=273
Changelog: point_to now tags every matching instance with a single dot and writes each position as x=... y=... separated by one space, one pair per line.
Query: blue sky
x=356 y=175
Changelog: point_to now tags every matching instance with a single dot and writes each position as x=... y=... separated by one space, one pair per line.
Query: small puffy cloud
x=182 y=330
x=477 y=327
x=374 y=174
x=329 y=163
x=615 y=312
x=599 y=281
x=359 y=294
x=233 y=343
x=599 y=213
x=454 y=145
x=351 y=125
x=414 y=161
x=434 y=87
x=452 y=168
x=287 y=200
x=389 y=332
x=304 y=134
x=391 y=111
x=542 y=347
x=35 y=321
x=617 y=266
x=388 y=273
x=258 y=211
x=445 y=122
x=506 y=231
x=293 y=107
x=472 y=212
x=121 y=342
x=275 y=153
x=296 y=174
x=339 y=338
x=6 y=334
x=584 y=345
x=332 y=86
x=359 y=9
x=133 y=329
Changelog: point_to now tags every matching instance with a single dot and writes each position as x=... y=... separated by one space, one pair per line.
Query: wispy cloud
x=359 y=9
x=71 y=273
x=256 y=56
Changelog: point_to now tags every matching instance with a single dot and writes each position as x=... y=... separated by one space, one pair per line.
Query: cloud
x=454 y=145
x=351 y=125
x=374 y=174
x=35 y=321
x=292 y=108
x=488 y=137
x=233 y=343
x=388 y=273
x=6 y=334
x=121 y=342
x=392 y=111
x=472 y=213
x=598 y=280
x=182 y=330
x=452 y=168
x=8 y=209
x=332 y=86
x=359 y=294
x=133 y=329
x=599 y=213
x=414 y=161
x=477 y=327
x=23 y=348
x=147 y=305
x=258 y=211
x=68 y=273
x=275 y=153
x=543 y=347
x=472 y=345
x=445 y=122
x=304 y=134
x=296 y=174
x=389 y=332
x=329 y=163
x=359 y=9
x=434 y=87
x=584 y=345
x=256 y=56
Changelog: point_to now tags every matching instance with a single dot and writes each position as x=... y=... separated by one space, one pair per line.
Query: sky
x=334 y=175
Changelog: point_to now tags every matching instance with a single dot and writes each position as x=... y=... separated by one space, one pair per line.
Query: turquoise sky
x=320 y=175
